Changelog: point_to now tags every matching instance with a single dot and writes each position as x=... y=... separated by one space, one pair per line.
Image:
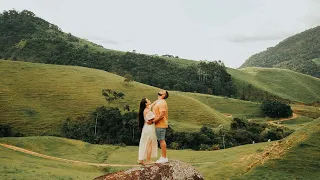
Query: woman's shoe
x=141 y=162
x=150 y=162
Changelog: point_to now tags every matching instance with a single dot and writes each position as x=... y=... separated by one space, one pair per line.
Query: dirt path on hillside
x=294 y=115
x=275 y=151
x=15 y=148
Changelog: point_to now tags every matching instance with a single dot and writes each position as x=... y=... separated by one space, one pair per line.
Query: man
x=160 y=109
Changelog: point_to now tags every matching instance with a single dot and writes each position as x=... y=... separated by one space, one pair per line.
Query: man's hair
x=167 y=95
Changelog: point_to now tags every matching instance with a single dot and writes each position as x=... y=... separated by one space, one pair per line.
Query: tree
x=166 y=88
x=5 y=130
x=276 y=109
x=178 y=87
x=238 y=123
x=111 y=95
x=128 y=78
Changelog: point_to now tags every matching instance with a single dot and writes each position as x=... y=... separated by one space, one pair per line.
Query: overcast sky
x=227 y=30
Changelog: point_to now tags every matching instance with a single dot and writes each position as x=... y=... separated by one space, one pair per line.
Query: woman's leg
x=149 y=151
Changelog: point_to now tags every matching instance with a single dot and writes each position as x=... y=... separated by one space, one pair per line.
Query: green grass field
x=234 y=107
x=283 y=83
x=300 y=158
x=297 y=123
x=215 y=164
x=302 y=161
x=36 y=98
x=17 y=165
x=308 y=111
x=63 y=148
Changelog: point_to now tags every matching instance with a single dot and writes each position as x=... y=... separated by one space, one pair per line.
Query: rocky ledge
x=167 y=171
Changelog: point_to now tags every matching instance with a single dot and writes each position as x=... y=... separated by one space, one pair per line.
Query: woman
x=148 y=141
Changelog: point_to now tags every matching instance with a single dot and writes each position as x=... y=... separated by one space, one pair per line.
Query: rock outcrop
x=167 y=171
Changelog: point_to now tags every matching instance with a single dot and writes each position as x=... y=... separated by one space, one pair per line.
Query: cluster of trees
x=295 y=53
x=26 y=37
x=240 y=132
x=169 y=55
x=276 y=109
x=111 y=95
x=106 y=125
x=6 y=131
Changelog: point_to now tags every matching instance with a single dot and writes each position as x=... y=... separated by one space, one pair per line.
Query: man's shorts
x=161 y=133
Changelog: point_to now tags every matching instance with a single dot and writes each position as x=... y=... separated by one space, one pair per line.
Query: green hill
x=16 y=165
x=300 y=161
x=36 y=98
x=229 y=106
x=265 y=83
x=296 y=53
x=294 y=157
x=213 y=164
x=26 y=37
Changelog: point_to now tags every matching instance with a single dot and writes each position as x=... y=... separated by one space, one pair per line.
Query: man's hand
x=150 y=122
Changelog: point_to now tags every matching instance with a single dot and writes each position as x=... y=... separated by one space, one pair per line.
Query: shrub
x=5 y=130
x=276 y=109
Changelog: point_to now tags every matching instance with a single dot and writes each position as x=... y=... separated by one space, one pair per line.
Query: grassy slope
x=302 y=161
x=302 y=88
x=63 y=148
x=235 y=107
x=248 y=109
x=308 y=111
x=297 y=123
x=15 y=165
x=216 y=164
x=283 y=83
x=36 y=98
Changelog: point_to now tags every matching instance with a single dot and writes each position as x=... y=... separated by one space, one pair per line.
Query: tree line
x=107 y=125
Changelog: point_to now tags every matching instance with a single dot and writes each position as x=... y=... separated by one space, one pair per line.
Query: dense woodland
x=297 y=53
x=25 y=37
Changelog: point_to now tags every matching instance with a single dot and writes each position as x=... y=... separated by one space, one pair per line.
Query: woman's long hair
x=141 y=116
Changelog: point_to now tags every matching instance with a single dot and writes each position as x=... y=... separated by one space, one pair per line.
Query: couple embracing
x=153 y=123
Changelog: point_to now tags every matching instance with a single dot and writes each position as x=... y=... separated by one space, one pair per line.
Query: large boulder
x=167 y=171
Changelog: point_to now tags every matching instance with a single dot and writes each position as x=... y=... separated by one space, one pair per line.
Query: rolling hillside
x=296 y=53
x=26 y=37
x=36 y=98
x=300 y=161
x=297 y=156
x=285 y=84
x=229 y=106
x=213 y=164
x=36 y=40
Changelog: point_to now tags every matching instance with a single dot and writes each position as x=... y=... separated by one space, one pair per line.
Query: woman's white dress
x=148 y=135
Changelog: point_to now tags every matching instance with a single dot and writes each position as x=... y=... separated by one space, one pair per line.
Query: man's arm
x=155 y=120
x=154 y=103
x=161 y=116
x=162 y=109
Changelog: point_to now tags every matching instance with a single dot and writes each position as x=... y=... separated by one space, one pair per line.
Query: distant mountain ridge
x=299 y=53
